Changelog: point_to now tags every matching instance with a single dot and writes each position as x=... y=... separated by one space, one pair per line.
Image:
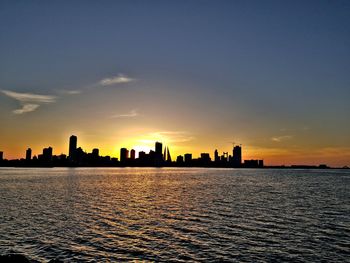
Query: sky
x=196 y=75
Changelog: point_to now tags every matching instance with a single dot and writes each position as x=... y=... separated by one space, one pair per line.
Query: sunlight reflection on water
x=173 y=214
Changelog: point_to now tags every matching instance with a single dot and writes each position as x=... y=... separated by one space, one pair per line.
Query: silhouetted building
x=225 y=157
x=168 y=157
x=159 y=147
x=261 y=163
x=72 y=147
x=47 y=154
x=164 y=155
x=237 y=156
x=1 y=156
x=188 y=158
x=80 y=155
x=205 y=157
x=124 y=155
x=62 y=157
x=253 y=163
x=180 y=159
x=132 y=154
x=95 y=152
x=142 y=155
x=28 y=154
x=151 y=156
x=157 y=157
x=216 y=156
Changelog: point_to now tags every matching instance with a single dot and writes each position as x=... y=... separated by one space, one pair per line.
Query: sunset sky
x=273 y=76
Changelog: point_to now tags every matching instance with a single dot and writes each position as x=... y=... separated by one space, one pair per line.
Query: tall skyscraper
x=124 y=154
x=158 y=157
x=164 y=155
x=168 y=158
x=216 y=156
x=72 y=147
x=237 y=156
x=132 y=154
x=1 y=156
x=28 y=154
x=159 y=147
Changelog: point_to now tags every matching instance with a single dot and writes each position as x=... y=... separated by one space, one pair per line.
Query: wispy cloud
x=70 y=92
x=120 y=78
x=281 y=138
x=172 y=136
x=131 y=114
x=26 y=108
x=29 y=101
x=29 y=97
x=109 y=81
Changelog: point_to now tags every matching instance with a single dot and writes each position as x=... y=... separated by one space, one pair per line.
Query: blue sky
x=247 y=71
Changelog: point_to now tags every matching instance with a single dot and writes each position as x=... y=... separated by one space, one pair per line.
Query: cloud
x=29 y=101
x=26 y=108
x=70 y=92
x=29 y=97
x=131 y=114
x=120 y=78
x=281 y=138
x=172 y=136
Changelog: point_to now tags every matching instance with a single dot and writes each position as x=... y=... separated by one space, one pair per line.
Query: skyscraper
x=132 y=154
x=72 y=147
x=216 y=156
x=159 y=147
x=95 y=153
x=158 y=156
x=180 y=159
x=237 y=156
x=188 y=158
x=47 y=154
x=1 y=156
x=164 y=155
x=124 y=154
x=28 y=154
x=168 y=158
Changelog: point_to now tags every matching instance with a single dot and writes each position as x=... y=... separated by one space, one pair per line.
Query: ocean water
x=175 y=214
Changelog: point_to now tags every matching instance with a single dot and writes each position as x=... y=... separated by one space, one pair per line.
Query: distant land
x=159 y=157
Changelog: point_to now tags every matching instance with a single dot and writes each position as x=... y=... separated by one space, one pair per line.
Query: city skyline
x=76 y=156
x=272 y=76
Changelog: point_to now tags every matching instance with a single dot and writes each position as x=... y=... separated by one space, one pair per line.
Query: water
x=121 y=214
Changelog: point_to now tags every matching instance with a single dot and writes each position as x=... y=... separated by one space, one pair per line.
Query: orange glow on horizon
x=278 y=155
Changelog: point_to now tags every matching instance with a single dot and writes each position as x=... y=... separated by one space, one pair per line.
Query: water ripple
x=177 y=215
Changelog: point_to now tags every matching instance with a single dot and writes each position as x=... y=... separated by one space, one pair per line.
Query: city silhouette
x=159 y=157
